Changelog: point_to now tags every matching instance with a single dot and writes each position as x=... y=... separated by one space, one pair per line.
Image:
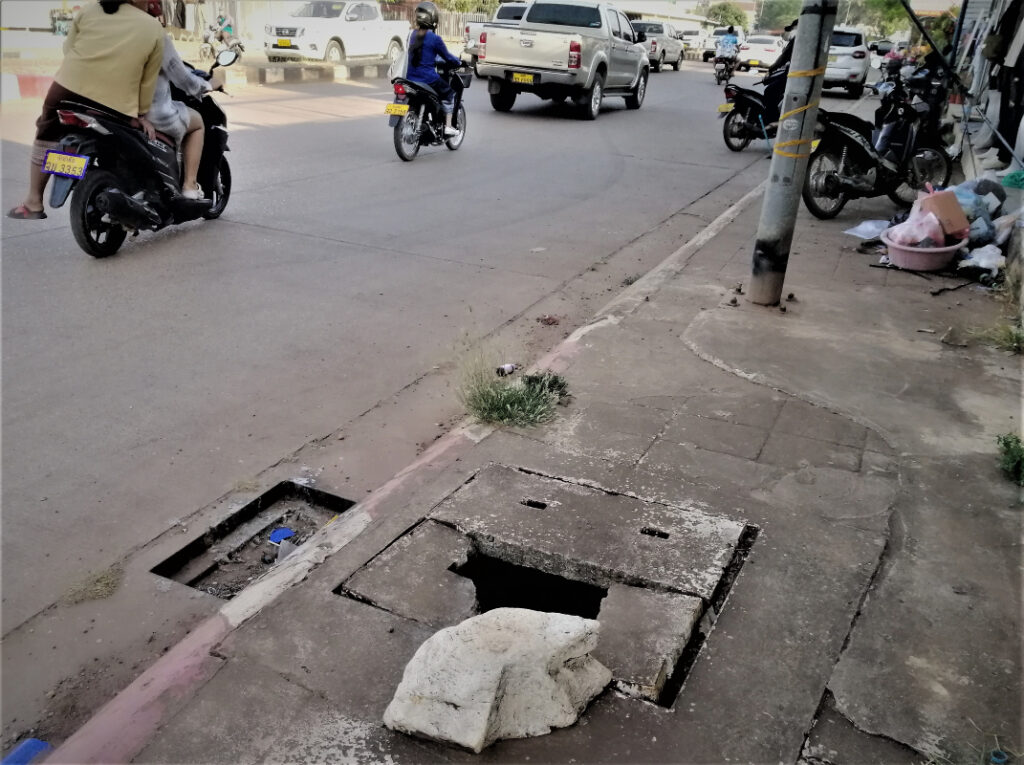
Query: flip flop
x=23 y=213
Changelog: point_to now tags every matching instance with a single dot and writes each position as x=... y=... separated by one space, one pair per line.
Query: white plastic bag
x=988 y=257
x=868 y=229
x=916 y=228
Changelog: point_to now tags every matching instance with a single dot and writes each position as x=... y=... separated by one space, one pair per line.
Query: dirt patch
x=95 y=587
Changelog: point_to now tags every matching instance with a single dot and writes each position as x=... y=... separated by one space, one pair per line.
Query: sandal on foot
x=23 y=213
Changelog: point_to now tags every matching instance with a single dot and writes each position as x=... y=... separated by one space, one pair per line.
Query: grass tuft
x=1006 y=336
x=1011 y=450
x=521 y=402
x=95 y=586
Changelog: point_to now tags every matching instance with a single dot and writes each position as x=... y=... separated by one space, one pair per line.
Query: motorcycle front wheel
x=820 y=203
x=455 y=142
x=929 y=164
x=407 y=136
x=220 y=190
x=97 y=237
x=734 y=131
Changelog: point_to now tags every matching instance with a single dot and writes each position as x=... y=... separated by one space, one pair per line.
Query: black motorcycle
x=417 y=115
x=898 y=156
x=747 y=116
x=124 y=182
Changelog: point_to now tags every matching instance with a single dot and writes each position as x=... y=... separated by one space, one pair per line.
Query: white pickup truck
x=336 y=32
x=507 y=14
x=579 y=49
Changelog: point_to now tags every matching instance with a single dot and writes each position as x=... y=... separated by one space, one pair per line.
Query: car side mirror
x=641 y=37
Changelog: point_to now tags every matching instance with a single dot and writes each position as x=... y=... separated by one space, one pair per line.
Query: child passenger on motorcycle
x=425 y=48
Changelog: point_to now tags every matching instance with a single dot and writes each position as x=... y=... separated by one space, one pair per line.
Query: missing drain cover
x=654 y=532
x=229 y=556
x=505 y=585
x=536 y=505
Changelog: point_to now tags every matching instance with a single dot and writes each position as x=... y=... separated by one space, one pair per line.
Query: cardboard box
x=945 y=207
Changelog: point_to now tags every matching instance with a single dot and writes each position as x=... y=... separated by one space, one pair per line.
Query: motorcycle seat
x=114 y=116
x=420 y=85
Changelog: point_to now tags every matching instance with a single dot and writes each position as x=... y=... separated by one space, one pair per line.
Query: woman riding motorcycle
x=425 y=48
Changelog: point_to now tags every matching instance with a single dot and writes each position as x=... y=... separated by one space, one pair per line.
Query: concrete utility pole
x=792 y=147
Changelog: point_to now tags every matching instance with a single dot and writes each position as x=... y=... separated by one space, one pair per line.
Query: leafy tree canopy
x=776 y=14
x=728 y=14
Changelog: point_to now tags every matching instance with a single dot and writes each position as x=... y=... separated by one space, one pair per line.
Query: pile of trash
x=965 y=223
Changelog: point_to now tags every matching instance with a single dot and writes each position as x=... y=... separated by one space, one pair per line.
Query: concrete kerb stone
x=143 y=704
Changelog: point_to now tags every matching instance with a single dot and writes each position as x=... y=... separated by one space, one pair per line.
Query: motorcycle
x=120 y=182
x=207 y=49
x=898 y=156
x=418 y=117
x=725 y=63
x=747 y=116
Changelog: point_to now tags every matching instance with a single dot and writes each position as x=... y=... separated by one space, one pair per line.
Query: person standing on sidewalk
x=112 y=56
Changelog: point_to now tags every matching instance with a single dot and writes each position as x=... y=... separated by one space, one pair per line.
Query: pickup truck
x=663 y=44
x=711 y=43
x=579 y=49
x=507 y=14
x=336 y=32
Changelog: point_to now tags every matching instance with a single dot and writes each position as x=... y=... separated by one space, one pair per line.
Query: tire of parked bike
x=734 y=142
x=905 y=194
x=825 y=208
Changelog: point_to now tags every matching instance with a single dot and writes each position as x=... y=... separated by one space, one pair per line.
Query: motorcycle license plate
x=719 y=66
x=69 y=165
x=725 y=108
x=833 y=59
x=814 y=144
x=520 y=77
x=397 y=109
x=284 y=43
x=755 y=62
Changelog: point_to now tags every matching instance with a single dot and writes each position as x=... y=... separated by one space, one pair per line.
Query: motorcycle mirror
x=227 y=57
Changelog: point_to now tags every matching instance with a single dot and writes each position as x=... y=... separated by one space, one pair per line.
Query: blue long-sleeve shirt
x=424 y=70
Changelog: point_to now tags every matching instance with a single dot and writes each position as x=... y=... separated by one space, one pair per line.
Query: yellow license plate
x=725 y=108
x=755 y=62
x=284 y=43
x=70 y=165
x=397 y=109
x=814 y=144
x=520 y=77
x=833 y=59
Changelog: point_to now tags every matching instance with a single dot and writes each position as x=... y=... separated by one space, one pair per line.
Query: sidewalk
x=824 y=479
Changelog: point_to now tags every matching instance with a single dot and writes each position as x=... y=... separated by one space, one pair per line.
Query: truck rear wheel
x=503 y=100
x=589 y=101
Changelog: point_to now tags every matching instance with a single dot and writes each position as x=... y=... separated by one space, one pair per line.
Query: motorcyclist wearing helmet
x=425 y=49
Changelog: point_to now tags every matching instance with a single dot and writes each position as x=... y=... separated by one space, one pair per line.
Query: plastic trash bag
x=868 y=229
x=988 y=258
x=1004 y=226
x=918 y=227
x=982 y=232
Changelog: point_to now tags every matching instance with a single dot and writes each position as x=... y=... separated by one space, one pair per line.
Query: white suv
x=847 y=61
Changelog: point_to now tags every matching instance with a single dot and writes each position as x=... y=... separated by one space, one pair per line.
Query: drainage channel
x=232 y=554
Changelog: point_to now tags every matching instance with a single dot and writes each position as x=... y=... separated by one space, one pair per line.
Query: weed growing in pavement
x=529 y=400
x=1011 y=450
x=632 y=279
x=96 y=586
x=1006 y=336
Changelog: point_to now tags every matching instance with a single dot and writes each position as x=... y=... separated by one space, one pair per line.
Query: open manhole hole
x=236 y=551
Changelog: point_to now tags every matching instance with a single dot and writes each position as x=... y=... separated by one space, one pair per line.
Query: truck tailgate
x=528 y=48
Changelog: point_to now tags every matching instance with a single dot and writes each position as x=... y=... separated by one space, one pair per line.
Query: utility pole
x=791 y=150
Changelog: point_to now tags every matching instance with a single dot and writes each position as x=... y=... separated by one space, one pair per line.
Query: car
x=848 y=63
x=663 y=46
x=881 y=47
x=760 y=51
x=336 y=32
x=692 y=39
x=711 y=44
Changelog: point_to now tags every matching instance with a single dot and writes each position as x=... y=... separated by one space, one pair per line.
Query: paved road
x=139 y=388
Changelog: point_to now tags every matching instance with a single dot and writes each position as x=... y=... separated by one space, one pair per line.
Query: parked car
x=507 y=14
x=663 y=45
x=711 y=43
x=336 y=32
x=579 y=49
x=760 y=51
x=848 y=63
x=692 y=39
x=881 y=47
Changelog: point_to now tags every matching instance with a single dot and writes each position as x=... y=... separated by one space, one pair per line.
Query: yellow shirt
x=113 y=58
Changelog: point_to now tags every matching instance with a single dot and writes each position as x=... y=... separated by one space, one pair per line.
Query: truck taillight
x=467 y=33
x=482 y=48
x=575 y=54
x=654 y=46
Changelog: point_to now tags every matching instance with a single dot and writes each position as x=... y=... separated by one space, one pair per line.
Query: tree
x=884 y=16
x=728 y=14
x=776 y=14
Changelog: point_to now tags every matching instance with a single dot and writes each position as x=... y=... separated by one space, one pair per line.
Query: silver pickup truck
x=579 y=49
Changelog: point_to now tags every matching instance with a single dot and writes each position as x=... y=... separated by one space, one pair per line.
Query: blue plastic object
x=279 y=535
x=25 y=752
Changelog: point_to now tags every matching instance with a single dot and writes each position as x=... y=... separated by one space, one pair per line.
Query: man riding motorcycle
x=425 y=48
x=775 y=80
x=727 y=50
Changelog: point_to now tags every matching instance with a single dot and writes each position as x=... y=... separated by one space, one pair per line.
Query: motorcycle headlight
x=268 y=29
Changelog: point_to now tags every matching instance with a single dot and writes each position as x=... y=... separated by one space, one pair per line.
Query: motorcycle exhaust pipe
x=126 y=210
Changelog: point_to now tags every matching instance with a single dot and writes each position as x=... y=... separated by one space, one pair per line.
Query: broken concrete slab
x=643 y=635
x=589 y=535
x=412 y=577
x=509 y=673
x=716 y=435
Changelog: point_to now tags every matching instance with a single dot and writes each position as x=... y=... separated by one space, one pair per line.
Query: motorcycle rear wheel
x=98 y=238
x=407 y=137
x=934 y=167
x=220 y=190
x=823 y=206
x=455 y=142
x=733 y=140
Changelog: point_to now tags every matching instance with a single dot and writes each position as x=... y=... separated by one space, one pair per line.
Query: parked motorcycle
x=747 y=116
x=120 y=181
x=854 y=158
x=418 y=117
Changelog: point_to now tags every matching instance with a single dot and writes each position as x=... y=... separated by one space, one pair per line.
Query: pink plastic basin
x=920 y=258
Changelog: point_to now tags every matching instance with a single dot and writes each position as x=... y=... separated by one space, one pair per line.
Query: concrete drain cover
x=232 y=554
x=650 y=573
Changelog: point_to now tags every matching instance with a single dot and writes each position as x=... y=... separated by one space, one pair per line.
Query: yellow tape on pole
x=797 y=111
x=807 y=73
